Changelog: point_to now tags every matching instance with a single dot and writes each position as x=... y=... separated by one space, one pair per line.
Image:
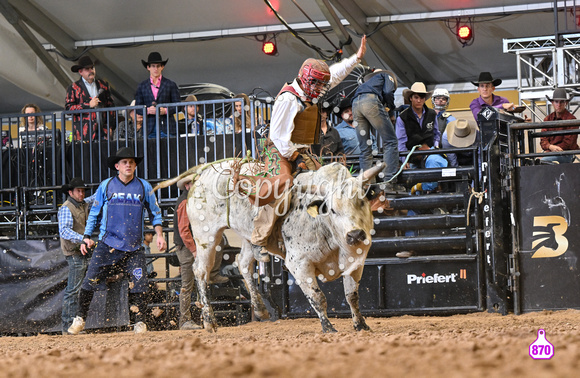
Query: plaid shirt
x=65 y=223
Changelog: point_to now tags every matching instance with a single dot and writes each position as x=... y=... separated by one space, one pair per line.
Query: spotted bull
x=326 y=234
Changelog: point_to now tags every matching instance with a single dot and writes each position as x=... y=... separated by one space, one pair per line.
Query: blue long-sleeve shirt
x=122 y=207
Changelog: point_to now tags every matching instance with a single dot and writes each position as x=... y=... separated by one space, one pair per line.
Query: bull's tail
x=194 y=172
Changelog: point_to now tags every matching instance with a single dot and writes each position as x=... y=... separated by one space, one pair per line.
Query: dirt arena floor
x=479 y=344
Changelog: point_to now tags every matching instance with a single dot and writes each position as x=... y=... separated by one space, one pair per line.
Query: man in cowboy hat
x=119 y=204
x=72 y=218
x=157 y=89
x=485 y=86
x=559 y=143
x=372 y=107
x=460 y=133
x=131 y=128
x=89 y=93
x=186 y=252
x=417 y=125
x=347 y=129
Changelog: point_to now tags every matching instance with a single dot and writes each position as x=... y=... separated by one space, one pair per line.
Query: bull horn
x=371 y=172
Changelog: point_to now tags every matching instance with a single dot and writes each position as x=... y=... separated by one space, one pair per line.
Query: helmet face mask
x=437 y=93
x=314 y=77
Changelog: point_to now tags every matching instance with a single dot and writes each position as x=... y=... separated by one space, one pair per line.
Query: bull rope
x=404 y=162
x=479 y=196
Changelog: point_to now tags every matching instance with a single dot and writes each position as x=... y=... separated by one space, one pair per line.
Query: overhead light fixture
x=268 y=44
x=269 y=48
x=463 y=30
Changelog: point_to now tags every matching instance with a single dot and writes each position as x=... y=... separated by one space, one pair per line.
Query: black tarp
x=33 y=275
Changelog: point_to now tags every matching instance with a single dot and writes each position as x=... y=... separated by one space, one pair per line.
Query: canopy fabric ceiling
x=218 y=41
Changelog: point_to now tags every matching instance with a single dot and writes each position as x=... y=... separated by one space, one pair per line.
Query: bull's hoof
x=330 y=329
x=262 y=314
x=327 y=327
x=362 y=326
x=211 y=327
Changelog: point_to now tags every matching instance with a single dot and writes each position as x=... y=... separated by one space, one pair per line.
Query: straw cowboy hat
x=84 y=62
x=76 y=182
x=417 y=87
x=378 y=71
x=559 y=94
x=485 y=77
x=123 y=153
x=154 y=57
x=461 y=133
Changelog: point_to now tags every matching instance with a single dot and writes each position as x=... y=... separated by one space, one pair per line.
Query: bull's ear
x=316 y=208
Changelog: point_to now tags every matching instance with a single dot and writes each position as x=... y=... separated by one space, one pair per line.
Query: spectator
x=440 y=101
x=559 y=143
x=131 y=128
x=119 y=204
x=485 y=86
x=372 y=106
x=330 y=143
x=89 y=93
x=29 y=126
x=460 y=133
x=193 y=122
x=347 y=130
x=157 y=90
x=147 y=240
x=246 y=114
x=72 y=218
x=417 y=125
x=186 y=251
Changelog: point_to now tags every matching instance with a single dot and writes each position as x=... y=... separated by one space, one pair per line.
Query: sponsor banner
x=548 y=221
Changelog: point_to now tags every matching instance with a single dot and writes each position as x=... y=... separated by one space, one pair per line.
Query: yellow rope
x=479 y=196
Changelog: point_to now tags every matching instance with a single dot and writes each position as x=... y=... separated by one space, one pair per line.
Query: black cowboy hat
x=559 y=94
x=154 y=57
x=344 y=104
x=485 y=77
x=123 y=153
x=84 y=62
x=76 y=182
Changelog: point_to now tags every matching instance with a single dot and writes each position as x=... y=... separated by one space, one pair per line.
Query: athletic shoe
x=77 y=326
x=140 y=327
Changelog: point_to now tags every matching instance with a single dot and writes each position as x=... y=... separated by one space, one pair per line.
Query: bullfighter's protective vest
x=79 y=214
x=306 y=123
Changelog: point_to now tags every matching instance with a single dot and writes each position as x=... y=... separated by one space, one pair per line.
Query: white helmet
x=440 y=92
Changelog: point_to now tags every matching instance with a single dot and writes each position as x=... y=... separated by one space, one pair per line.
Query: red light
x=464 y=32
x=269 y=48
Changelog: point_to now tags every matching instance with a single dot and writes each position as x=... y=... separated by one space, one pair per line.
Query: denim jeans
x=368 y=112
x=187 y=283
x=563 y=159
x=77 y=268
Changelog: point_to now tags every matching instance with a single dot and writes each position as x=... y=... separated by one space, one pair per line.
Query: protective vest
x=419 y=134
x=442 y=121
x=306 y=123
x=79 y=215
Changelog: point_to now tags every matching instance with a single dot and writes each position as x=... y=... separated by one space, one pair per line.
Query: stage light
x=464 y=32
x=269 y=48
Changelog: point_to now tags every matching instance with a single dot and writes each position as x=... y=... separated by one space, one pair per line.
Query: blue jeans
x=77 y=268
x=563 y=159
x=368 y=111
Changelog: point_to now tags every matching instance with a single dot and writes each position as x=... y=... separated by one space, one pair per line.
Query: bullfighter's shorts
x=107 y=261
